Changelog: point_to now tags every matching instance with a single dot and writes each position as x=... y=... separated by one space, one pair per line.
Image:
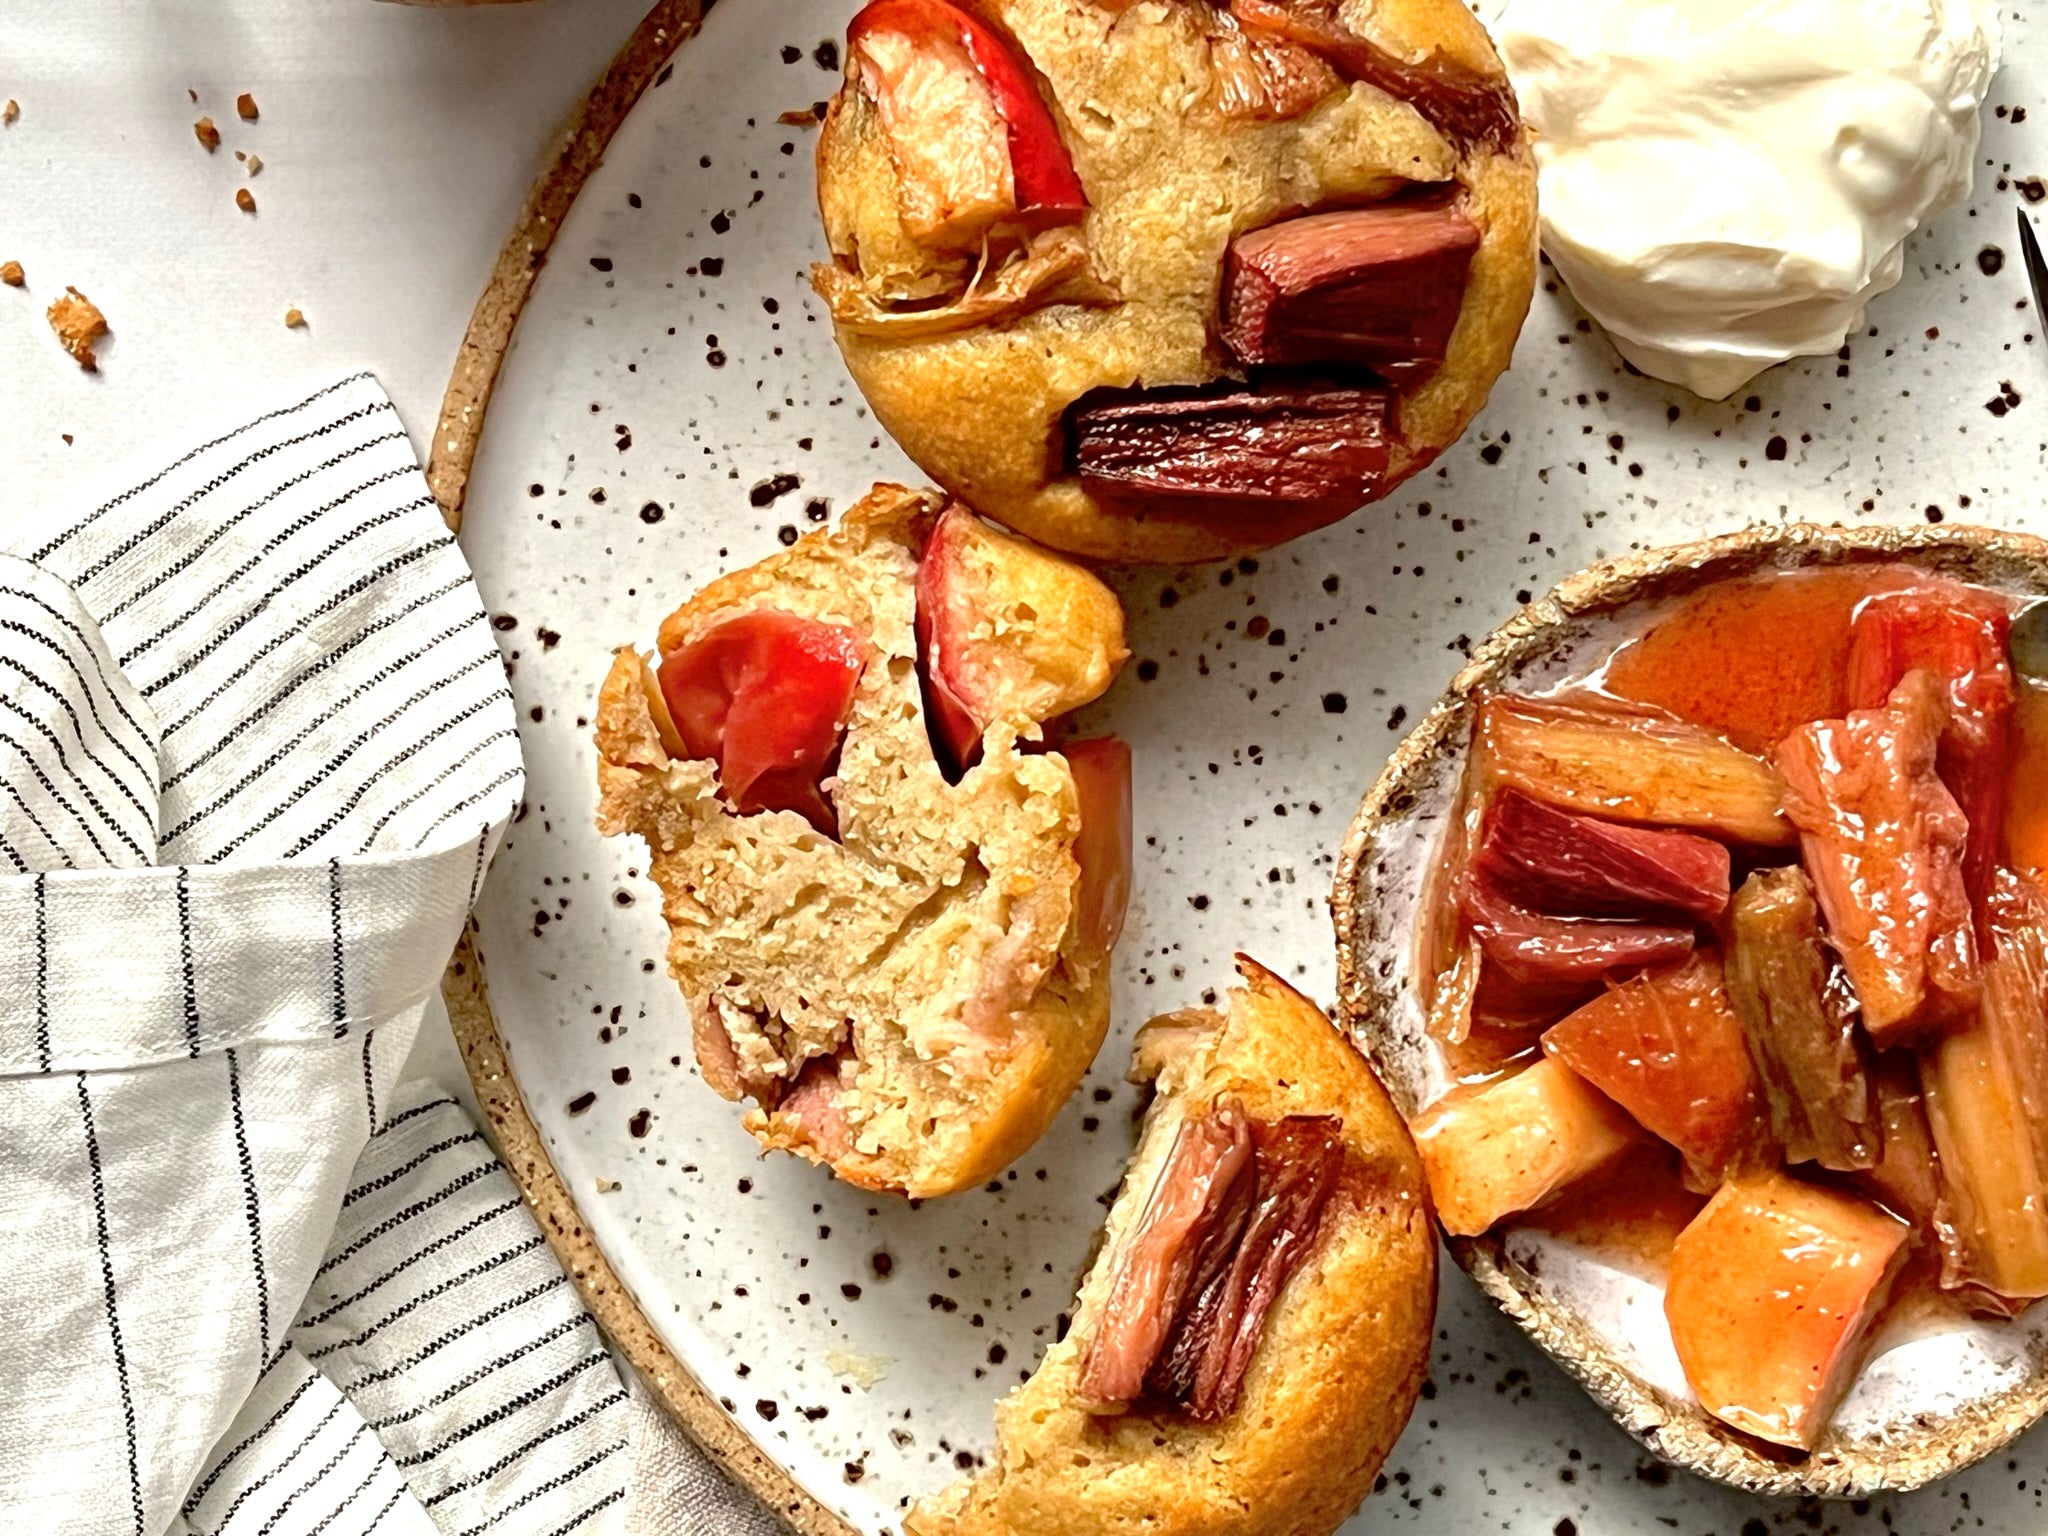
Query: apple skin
x=1008 y=632
x=1042 y=171
x=766 y=696
x=1101 y=766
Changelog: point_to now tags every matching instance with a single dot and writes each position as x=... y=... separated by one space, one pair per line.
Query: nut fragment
x=11 y=274
x=245 y=106
x=1293 y=443
x=255 y=164
x=10 y=112
x=245 y=200
x=206 y=134
x=78 y=324
x=1381 y=288
x=295 y=319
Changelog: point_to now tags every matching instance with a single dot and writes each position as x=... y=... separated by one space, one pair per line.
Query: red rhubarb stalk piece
x=1960 y=634
x=1042 y=170
x=1565 y=865
x=1303 y=444
x=1883 y=839
x=766 y=696
x=1379 y=288
x=1565 y=953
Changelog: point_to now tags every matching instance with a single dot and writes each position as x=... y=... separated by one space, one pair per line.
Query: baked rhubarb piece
x=1986 y=1085
x=1883 y=838
x=1959 y=634
x=892 y=928
x=1773 y=1292
x=1666 y=1046
x=1174 y=280
x=1260 y=1303
x=1800 y=1021
x=1510 y=1145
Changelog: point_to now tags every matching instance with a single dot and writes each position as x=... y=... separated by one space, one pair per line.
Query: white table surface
x=397 y=143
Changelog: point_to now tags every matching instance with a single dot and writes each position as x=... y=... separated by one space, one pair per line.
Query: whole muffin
x=1175 y=279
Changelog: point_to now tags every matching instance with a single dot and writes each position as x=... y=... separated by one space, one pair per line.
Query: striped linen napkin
x=256 y=750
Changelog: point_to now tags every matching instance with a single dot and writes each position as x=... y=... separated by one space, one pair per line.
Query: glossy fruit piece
x=1378 y=288
x=1553 y=861
x=766 y=696
x=1511 y=1144
x=933 y=120
x=1630 y=767
x=1101 y=767
x=1666 y=1046
x=1960 y=634
x=1907 y=1179
x=1985 y=1084
x=1800 y=1025
x=1556 y=953
x=1773 y=1291
x=1467 y=107
x=1883 y=839
x=1007 y=631
x=1302 y=442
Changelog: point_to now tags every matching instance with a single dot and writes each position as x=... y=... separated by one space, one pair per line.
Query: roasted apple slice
x=1101 y=767
x=1008 y=632
x=1960 y=634
x=1666 y=1046
x=1773 y=1291
x=1985 y=1084
x=1800 y=1024
x=972 y=141
x=1509 y=1145
x=1883 y=839
x=1463 y=105
x=1378 y=288
x=1552 y=861
x=1631 y=767
x=765 y=695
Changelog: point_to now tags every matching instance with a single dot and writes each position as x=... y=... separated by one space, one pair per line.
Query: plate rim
x=577 y=151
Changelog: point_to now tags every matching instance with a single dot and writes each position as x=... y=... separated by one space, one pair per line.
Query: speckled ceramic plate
x=671 y=406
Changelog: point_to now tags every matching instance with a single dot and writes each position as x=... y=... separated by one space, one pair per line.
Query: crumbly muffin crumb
x=78 y=324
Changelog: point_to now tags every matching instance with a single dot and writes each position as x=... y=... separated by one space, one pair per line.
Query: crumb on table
x=295 y=319
x=255 y=164
x=245 y=200
x=206 y=134
x=245 y=104
x=78 y=324
x=11 y=274
x=11 y=111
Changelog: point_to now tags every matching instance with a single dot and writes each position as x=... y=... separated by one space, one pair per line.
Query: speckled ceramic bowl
x=1925 y=1406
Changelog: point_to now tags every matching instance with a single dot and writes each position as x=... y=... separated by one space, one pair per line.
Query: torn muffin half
x=891 y=900
x=1255 y=1329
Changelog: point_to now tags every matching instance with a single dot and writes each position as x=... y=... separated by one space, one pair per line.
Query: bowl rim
x=1678 y=1431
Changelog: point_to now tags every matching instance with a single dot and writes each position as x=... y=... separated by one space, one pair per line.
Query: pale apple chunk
x=1509 y=1145
x=1773 y=1290
x=1011 y=632
x=950 y=145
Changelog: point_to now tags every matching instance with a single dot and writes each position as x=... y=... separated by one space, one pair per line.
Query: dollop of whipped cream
x=1725 y=184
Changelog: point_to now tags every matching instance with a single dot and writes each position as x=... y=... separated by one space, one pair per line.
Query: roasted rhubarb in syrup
x=1760 y=895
